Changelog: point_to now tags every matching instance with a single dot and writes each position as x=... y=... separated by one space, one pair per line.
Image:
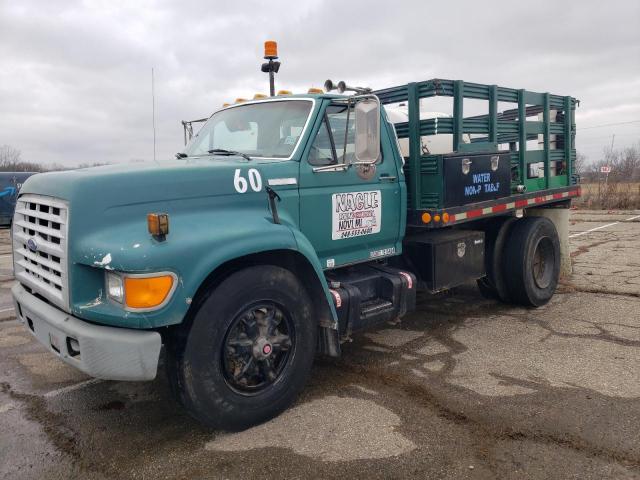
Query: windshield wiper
x=181 y=155
x=222 y=151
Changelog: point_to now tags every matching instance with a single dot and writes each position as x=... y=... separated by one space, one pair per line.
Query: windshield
x=266 y=129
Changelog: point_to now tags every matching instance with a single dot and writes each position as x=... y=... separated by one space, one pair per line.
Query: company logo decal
x=32 y=245
x=355 y=214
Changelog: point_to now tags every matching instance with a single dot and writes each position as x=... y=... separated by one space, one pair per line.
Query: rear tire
x=248 y=352
x=494 y=285
x=532 y=265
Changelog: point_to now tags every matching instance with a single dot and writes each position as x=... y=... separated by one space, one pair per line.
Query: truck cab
x=284 y=225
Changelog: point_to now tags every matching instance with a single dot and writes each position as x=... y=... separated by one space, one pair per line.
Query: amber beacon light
x=272 y=66
x=270 y=50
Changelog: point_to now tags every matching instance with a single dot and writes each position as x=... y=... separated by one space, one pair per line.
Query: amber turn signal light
x=426 y=217
x=147 y=292
x=158 y=224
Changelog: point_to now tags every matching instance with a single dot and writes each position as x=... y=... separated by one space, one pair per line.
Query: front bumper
x=103 y=352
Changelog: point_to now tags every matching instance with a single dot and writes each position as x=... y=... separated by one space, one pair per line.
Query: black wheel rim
x=257 y=348
x=543 y=263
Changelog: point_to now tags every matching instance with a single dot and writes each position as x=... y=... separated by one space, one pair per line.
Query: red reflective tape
x=336 y=297
x=539 y=199
x=557 y=195
x=499 y=208
x=521 y=203
x=408 y=278
x=474 y=213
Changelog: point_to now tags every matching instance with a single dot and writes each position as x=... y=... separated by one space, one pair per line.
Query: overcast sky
x=75 y=76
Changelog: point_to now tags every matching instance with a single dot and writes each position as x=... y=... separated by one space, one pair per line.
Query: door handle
x=387 y=178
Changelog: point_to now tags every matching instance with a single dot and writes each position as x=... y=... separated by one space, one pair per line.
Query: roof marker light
x=284 y=92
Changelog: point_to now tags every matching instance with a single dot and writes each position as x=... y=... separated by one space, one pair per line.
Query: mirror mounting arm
x=336 y=167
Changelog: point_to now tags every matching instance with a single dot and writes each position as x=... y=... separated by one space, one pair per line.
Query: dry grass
x=619 y=195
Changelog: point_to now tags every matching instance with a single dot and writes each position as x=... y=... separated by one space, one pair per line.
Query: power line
x=609 y=125
x=601 y=137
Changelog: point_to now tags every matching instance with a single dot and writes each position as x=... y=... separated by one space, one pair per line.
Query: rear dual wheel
x=494 y=284
x=522 y=261
x=532 y=259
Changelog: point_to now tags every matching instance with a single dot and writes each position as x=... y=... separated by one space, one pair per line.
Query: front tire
x=249 y=350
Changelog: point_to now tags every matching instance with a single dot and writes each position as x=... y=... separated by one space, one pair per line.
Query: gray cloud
x=75 y=76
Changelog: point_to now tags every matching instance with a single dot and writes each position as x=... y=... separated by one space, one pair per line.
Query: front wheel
x=249 y=350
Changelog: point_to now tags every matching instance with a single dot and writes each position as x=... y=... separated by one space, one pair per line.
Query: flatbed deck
x=540 y=175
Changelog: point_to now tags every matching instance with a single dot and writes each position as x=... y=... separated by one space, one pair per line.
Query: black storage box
x=443 y=259
x=488 y=177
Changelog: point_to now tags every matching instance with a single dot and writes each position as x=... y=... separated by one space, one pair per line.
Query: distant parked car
x=10 y=185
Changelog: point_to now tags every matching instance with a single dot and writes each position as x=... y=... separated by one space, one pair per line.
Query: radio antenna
x=153 y=113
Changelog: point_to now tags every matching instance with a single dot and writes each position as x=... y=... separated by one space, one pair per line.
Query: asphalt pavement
x=462 y=388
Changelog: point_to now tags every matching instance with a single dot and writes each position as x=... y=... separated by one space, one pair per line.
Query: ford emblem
x=32 y=245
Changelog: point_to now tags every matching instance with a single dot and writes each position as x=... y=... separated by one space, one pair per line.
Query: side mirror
x=367 y=112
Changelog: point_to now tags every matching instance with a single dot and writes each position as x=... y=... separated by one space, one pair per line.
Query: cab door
x=350 y=213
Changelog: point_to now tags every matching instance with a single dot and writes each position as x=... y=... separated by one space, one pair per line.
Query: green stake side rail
x=510 y=127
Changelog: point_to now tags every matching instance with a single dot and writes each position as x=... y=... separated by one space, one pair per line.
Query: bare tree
x=10 y=161
x=580 y=164
x=9 y=156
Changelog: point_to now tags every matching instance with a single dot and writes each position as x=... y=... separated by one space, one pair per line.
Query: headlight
x=141 y=291
x=115 y=287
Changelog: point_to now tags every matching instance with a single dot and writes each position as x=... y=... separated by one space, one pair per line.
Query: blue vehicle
x=10 y=185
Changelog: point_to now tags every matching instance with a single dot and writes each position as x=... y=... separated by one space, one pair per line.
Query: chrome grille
x=40 y=247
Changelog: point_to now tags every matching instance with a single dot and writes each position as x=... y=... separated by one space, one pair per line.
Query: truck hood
x=148 y=182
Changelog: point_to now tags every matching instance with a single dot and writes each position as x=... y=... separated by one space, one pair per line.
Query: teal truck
x=285 y=225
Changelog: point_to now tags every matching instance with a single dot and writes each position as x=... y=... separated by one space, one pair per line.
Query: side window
x=337 y=115
x=329 y=145
x=322 y=149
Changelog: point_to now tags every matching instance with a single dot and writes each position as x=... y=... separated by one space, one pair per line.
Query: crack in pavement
x=484 y=429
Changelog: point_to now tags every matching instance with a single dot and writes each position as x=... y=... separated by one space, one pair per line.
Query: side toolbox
x=444 y=259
